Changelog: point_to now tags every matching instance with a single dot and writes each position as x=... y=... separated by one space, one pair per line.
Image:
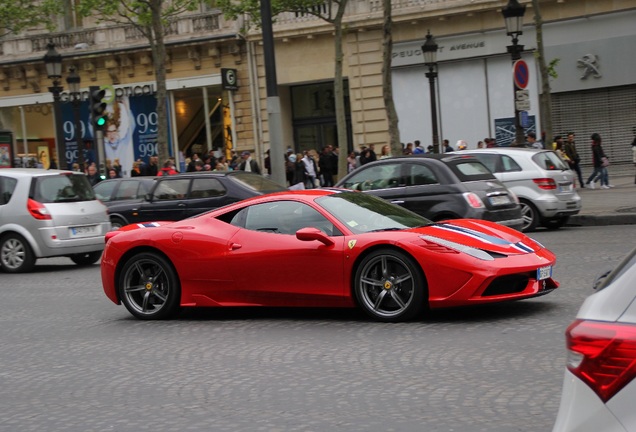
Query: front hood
x=482 y=235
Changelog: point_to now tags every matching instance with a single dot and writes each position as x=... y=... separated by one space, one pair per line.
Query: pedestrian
x=310 y=169
x=447 y=147
x=352 y=162
x=573 y=155
x=325 y=164
x=92 y=175
x=600 y=162
x=168 y=168
x=386 y=152
x=418 y=147
x=532 y=142
x=480 y=144
x=368 y=155
x=248 y=164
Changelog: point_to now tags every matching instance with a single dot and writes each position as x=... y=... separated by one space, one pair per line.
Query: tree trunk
x=546 y=96
x=159 y=62
x=338 y=88
x=387 y=83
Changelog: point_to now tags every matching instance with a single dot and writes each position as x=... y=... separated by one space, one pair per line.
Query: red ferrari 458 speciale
x=320 y=248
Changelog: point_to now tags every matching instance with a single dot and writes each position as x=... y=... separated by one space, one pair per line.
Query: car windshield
x=364 y=213
x=66 y=187
x=255 y=182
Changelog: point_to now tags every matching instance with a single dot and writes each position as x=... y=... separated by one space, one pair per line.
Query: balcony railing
x=116 y=36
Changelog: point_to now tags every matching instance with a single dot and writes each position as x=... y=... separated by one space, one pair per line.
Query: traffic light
x=98 y=108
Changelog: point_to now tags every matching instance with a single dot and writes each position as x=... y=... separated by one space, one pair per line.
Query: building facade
x=594 y=90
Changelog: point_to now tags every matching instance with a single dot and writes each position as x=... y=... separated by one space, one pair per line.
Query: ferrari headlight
x=473 y=252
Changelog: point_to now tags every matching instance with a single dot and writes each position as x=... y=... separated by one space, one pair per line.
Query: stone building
x=594 y=90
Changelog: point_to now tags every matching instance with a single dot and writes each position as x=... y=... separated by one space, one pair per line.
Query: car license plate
x=83 y=231
x=544 y=272
x=499 y=200
x=565 y=188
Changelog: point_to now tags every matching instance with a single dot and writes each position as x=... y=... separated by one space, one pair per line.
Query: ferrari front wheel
x=389 y=286
x=149 y=287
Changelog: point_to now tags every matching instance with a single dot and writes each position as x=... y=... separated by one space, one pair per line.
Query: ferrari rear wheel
x=389 y=286
x=149 y=287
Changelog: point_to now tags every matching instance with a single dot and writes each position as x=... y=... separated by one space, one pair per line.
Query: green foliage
x=552 y=68
x=19 y=15
x=232 y=9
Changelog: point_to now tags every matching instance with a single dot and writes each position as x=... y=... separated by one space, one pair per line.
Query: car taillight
x=545 y=183
x=38 y=210
x=473 y=200
x=602 y=354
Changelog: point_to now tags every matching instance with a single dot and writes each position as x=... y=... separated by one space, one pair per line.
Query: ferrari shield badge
x=352 y=243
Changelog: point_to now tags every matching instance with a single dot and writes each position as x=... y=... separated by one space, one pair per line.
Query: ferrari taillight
x=37 y=210
x=602 y=354
x=545 y=183
x=473 y=200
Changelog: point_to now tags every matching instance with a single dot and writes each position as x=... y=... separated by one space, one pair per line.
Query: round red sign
x=520 y=74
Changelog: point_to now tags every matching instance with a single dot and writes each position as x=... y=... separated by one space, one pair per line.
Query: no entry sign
x=520 y=74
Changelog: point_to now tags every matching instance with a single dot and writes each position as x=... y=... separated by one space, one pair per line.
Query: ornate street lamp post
x=513 y=16
x=73 y=80
x=429 y=49
x=53 y=63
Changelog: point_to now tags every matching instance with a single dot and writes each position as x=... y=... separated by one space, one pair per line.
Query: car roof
x=505 y=150
x=34 y=172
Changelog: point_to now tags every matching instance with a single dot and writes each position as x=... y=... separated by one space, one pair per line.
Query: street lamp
x=513 y=16
x=429 y=49
x=73 y=80
x=53 y=63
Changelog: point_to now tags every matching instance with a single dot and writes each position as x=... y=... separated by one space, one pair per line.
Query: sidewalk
x=615 y=206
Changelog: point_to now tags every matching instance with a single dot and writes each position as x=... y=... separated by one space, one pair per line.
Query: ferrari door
x=273 y=267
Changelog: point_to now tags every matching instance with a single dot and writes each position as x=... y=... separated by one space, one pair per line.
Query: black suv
x=439 y=187
x=177 y=197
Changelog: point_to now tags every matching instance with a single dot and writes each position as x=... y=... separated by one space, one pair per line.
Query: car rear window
x=549 y=160
x=470 y=170
x=61 y=188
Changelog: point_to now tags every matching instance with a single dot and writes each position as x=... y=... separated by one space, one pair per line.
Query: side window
x=377 y=177
x=282 y=217
x=128 y=189
x=7 y=186
x=490 y=160
x=509 y=164
x=172 y=189
x=206 y=188
x=420 y=175
x=104 y=190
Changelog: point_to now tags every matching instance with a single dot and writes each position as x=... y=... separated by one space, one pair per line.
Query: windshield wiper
x=387 y=229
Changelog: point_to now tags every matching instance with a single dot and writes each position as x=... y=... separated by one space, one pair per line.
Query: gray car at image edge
x=49 y=213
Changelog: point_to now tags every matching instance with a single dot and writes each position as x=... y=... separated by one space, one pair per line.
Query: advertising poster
x=5 y=156
x=130 y=132
x=43 y=157
x=505 y=129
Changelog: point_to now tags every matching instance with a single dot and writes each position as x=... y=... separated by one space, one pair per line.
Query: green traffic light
x=101 y=121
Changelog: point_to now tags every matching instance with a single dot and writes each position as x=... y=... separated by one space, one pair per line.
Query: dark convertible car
x=439 y=187
x=172 y=198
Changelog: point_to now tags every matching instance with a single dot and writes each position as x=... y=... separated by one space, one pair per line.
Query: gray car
x=541 y=180
x=48 y=213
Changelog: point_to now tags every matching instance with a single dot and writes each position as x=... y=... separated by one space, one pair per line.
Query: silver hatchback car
x=541 y=180
x=48 y=213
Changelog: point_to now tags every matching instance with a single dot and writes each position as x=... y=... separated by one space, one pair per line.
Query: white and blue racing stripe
x=486 y=238
x=148 y=225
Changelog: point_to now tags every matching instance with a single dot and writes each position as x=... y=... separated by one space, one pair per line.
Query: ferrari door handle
x=397 y=202
x=235 y=246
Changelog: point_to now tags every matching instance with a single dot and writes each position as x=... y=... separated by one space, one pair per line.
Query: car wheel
x=554 y=224
x=86 y=259
x=149 y=287
x=116 y=223
x=389 y=286
x=16 y=255
x=530 y=216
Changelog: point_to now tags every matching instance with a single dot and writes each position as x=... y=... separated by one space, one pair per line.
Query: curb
x=602 y=219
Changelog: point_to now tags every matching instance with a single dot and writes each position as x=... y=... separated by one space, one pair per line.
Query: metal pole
x=79 y=136
x=431 y=75
x=59 y=133
x=277 y=153
x=515 y=51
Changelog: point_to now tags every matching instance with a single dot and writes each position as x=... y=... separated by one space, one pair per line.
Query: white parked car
x=599 y=390
x=541 y=180
x=48 y=213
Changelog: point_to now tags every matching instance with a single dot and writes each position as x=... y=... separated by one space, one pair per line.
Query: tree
x=18 y=15
x=151 y=18
x=330 y=11
x=387 y=84
x=546 y=96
